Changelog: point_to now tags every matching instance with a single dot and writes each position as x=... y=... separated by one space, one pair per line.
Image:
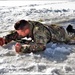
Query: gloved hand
x=18 y=47
x=2 y=41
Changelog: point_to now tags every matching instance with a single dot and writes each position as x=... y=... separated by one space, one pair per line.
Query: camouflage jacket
x=40 y=35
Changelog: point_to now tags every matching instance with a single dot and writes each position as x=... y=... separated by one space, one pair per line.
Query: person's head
x=22 y=28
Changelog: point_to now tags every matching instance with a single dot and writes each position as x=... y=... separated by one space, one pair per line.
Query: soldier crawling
x=40 y=34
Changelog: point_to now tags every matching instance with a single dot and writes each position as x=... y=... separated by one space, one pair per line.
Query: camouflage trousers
x=58 y=34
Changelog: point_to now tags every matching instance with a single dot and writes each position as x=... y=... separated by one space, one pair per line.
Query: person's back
x=40 y=32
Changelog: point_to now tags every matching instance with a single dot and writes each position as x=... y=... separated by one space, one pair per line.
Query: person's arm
x=31 y=47
x=8 y=38
x=12 y=36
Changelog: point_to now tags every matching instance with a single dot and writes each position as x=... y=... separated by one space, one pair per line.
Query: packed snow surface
x=57 y=59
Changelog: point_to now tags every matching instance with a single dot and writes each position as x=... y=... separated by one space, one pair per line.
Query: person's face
x=24 y=32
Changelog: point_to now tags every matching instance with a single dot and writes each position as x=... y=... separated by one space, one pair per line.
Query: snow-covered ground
x=57 y=59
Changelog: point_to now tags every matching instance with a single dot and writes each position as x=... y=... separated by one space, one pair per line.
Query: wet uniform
x=40 y=34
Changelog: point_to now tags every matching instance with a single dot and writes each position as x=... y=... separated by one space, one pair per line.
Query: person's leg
x=58 y=33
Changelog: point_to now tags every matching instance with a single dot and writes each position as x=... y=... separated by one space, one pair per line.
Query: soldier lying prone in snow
x=40 y=34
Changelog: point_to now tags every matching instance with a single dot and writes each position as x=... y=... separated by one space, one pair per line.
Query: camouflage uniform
x=40 y=34
x=58 y=33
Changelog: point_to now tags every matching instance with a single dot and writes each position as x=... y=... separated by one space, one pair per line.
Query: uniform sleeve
x=12 y=36
x=33 y=47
